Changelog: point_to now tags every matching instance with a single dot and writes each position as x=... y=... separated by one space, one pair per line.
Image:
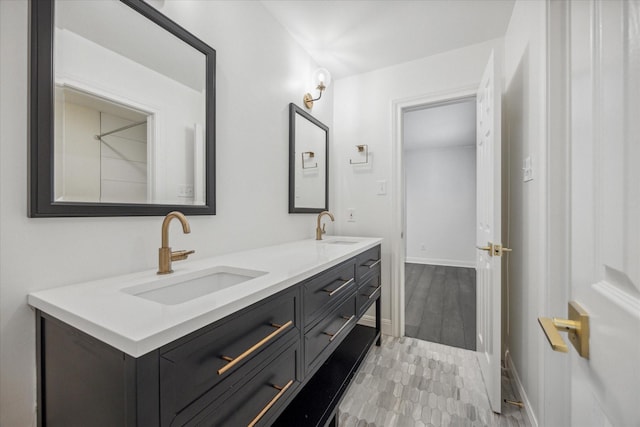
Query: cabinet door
x=219 y=355
x=85 y=382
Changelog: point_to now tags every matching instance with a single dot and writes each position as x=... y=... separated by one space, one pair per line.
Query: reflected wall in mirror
x=122 y=112
x=308 y=162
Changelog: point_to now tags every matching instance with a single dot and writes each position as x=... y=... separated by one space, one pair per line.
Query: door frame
x=398 y=221
x=555 y=390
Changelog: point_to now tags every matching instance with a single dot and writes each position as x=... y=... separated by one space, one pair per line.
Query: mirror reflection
x=308 y=165
x=129 y=120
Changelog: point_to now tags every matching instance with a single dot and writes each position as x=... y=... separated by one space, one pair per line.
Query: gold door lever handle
x=577 y=326
x=494 y=249
x=552 y=334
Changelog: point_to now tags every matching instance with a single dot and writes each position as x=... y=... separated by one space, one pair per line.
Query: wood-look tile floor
x=440 y=304
x=407 y=382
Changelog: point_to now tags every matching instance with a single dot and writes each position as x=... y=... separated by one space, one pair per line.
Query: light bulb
x=321 y=76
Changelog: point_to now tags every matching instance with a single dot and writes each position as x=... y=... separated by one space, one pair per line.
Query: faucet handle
x=180 y=255
x=323 y=229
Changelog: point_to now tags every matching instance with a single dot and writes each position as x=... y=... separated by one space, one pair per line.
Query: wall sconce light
x=322 y=79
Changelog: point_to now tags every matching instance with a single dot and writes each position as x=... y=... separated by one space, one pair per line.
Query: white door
x=605 y=209
x=488 y=232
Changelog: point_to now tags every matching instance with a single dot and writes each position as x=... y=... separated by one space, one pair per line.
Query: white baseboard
x=523 y=395
x=385 y=324
x=445 y=262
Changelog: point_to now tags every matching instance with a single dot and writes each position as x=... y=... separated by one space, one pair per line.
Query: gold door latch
x=494 y=249
x=577 y=326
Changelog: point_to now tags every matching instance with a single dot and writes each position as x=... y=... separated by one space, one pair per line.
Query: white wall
x=440 y=188
x=524 y=220
x=260 y=70
x=363 y=115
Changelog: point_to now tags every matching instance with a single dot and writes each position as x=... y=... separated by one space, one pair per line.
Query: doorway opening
x=439 y=150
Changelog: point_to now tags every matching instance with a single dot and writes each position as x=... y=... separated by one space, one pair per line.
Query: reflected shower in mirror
x=308 y=162
x=103 y=155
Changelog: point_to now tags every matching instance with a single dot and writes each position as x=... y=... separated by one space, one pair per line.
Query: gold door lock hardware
x=494 y=249
x=577 y=326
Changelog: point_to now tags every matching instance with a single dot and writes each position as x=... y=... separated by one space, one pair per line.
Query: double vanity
x=268 y=336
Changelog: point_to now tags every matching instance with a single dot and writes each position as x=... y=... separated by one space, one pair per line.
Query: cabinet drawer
x=224 y=352
x=329 y=332
x=367 y=262
x=326 y=289
x=255 y=401
x=368 y=292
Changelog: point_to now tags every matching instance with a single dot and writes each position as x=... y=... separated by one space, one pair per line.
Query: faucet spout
x=165 y=256
x=320 y=231
x=165 y=226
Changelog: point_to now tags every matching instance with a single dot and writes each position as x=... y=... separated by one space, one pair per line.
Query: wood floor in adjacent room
x=440 y=304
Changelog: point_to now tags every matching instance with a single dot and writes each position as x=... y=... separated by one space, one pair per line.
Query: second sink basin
x=341 y=242
x=171 y=292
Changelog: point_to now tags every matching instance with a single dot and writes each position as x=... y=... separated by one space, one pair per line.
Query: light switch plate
x=185 y=190
x=382 y=187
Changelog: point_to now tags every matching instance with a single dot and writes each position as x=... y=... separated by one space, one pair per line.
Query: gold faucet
x=165 y=256
x=321 y=231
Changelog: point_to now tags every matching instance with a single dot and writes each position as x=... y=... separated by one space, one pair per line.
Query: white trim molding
x=398 y=107
x=385 y=324
x=439 y=261
x=520 y=389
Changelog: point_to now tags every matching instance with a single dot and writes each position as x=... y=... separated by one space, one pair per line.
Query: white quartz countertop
x=136 y=325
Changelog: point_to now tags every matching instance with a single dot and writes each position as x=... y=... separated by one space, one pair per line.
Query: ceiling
x=356 y=36
x=448 y=125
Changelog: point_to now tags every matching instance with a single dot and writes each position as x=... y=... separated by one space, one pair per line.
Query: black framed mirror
x=122 y=112
x=308 y=162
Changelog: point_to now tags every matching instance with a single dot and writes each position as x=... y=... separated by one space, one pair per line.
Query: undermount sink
x=176 y=290
x=341 y=242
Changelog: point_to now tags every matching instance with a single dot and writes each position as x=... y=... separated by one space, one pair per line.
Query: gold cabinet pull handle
x=374 y=292
x=375 y=263
x=234 y=361
x=272 y=402
x=336 y=333
x=336 y=290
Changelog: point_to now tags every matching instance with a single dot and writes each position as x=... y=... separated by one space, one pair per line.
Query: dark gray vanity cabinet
x=85 y=382
x=335 y=345
x=259 y=366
